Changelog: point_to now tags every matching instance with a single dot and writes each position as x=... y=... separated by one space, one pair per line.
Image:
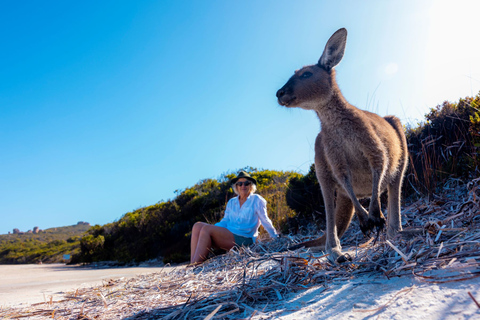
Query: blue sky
x=109 y=106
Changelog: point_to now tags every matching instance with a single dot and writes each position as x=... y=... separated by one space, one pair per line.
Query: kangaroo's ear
x=334 y=49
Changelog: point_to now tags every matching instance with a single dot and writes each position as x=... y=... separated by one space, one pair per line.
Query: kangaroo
x=358 y=154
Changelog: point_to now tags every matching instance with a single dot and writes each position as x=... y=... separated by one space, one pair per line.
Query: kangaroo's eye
x=306 y=75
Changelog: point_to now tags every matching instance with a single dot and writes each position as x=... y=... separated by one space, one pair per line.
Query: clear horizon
x=108 y=107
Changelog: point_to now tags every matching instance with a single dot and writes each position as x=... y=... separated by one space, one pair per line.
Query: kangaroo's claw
x=377 y=236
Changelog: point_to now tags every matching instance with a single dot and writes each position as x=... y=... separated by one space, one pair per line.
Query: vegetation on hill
x=446 y=146
x=164 y=229
x=47 y=246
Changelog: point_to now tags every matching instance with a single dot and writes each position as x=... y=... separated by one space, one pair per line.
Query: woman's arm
x=261 y=212
x=226 y=217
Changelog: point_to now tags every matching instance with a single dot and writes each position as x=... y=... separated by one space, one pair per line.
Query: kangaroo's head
x=313 y=85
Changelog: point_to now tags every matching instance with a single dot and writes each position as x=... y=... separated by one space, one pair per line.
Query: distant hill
x=45 y=246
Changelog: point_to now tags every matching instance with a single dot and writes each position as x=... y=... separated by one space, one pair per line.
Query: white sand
x=379 y=298
x=25 y=284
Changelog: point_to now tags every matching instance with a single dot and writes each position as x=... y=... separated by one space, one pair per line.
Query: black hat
x=243 y=174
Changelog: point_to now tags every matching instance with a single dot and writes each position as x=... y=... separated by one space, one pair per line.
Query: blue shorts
x=242 y=241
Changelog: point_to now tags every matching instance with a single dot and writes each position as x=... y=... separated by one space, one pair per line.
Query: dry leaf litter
x=440 y=243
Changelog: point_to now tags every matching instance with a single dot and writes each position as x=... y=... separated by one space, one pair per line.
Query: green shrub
x=164 y=229
x=446 y=145
x=305 y=198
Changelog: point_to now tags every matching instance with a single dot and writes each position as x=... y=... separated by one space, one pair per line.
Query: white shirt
x=245 y=221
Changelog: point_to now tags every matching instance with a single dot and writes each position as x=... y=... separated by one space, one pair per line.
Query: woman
x=239 y=225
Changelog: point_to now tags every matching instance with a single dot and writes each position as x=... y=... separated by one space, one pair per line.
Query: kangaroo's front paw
x=378 y=222
x=375 y=216
x=366 y=227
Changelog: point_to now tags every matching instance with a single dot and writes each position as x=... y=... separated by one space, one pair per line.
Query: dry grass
x=440 y=243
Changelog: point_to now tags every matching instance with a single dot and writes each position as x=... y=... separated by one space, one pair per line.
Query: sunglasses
x=242 y=183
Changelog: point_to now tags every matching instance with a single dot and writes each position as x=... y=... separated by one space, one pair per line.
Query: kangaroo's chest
x=345 y=146
x=345 y=155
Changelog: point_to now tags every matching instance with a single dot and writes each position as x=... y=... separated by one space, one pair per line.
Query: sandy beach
x=27 y=284
x=371 y=296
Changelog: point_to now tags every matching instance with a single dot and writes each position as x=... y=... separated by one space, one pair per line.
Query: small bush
x=446 y=145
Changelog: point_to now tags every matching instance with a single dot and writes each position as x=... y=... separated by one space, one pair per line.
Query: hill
x=46 y=246
x=163 y=229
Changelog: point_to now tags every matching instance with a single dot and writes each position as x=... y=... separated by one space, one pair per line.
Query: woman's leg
x=197 y=227
x=211 y=236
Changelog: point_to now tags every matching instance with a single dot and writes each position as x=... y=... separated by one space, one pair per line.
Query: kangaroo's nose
x=280 y=93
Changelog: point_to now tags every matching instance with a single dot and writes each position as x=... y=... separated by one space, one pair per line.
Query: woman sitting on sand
x=239 y=225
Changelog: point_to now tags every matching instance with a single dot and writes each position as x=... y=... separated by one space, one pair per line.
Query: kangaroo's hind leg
x=343 y=216
x=343 y=213
x=375 y=216
x=394 y=219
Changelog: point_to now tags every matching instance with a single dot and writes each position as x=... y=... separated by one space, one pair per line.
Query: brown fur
x=358 y=154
